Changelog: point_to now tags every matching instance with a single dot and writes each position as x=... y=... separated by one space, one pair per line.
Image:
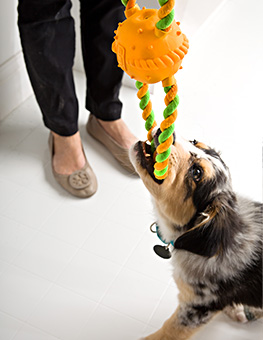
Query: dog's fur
x=217 y=235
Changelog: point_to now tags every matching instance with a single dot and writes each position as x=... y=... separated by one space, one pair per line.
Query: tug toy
x=150 y=48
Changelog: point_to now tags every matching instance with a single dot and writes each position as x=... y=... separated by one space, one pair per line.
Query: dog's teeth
x=147 y=155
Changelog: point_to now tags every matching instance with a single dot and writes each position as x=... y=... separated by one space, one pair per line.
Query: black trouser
x=48 y=40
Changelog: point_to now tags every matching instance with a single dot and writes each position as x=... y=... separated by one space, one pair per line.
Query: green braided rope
x=162 y=24
x=143 y=103
x=165 y=22
x=160 y=173
x=166 y=134
x=124 y=2
x=171 y=107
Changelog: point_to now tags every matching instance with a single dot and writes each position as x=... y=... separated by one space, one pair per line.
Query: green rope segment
x=160 y=173
x=163 y=156
x=145 y=100
x=171 y=107
x=165 y=22
x=124 y=2
x=166 y=134
x=143 y=103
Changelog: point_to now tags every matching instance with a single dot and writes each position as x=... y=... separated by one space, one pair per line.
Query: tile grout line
x=156 y=306
x=23 y=324
x=36 y=232
x=110 y=286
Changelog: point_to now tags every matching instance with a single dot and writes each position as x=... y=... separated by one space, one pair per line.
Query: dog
x=216 y=236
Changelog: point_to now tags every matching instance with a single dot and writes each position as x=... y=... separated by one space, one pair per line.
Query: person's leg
x=48 y=40
x=99 y=20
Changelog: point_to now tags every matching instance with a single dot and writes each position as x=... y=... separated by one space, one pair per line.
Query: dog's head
x=197 y=186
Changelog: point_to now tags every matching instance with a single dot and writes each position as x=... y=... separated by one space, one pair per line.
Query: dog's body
x=217 y=237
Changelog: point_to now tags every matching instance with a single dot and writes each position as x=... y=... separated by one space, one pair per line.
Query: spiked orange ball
x=145 y=53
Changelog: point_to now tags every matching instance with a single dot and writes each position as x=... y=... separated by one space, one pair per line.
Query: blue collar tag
x=162 y=251
x=160 y=238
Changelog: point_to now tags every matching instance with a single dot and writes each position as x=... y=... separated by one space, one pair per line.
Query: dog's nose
x=156 y=133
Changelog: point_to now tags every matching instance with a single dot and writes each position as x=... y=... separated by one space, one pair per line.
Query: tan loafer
x=120 y=153
x=81 y=183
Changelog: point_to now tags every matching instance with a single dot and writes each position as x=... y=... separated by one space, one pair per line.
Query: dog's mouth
x=145 y=154
x=146 y=159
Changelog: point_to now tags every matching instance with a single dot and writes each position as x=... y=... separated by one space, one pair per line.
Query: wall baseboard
x=14 y=84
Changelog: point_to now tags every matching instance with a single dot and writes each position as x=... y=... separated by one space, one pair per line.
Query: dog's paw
x=253 y=313
x=236 y=313
x=243 y=314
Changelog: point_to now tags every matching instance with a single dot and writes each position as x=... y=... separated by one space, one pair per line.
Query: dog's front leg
x=186 y=320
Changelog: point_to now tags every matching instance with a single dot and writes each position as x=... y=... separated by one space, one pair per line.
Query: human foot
x=75 y=177
x=68 y=154
x=115 y=136
x=119 y=131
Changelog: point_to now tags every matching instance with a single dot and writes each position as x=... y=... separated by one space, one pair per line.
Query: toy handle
x=165 y=13
x=129 y=3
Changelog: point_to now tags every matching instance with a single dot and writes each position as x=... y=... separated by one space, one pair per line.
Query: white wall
x=8 y=32
x=14 y=83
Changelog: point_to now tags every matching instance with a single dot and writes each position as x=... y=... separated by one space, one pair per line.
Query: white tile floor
x=74 y=269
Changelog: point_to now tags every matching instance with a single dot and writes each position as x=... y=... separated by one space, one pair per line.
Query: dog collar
x=162 y=251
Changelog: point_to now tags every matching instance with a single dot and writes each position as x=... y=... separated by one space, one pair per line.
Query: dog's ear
x=211 y=233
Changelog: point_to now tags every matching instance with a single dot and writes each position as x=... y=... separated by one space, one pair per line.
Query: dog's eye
x=194 y=142
x=196 y=172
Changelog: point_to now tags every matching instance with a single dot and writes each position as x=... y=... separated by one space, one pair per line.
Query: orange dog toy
x=150 y=47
